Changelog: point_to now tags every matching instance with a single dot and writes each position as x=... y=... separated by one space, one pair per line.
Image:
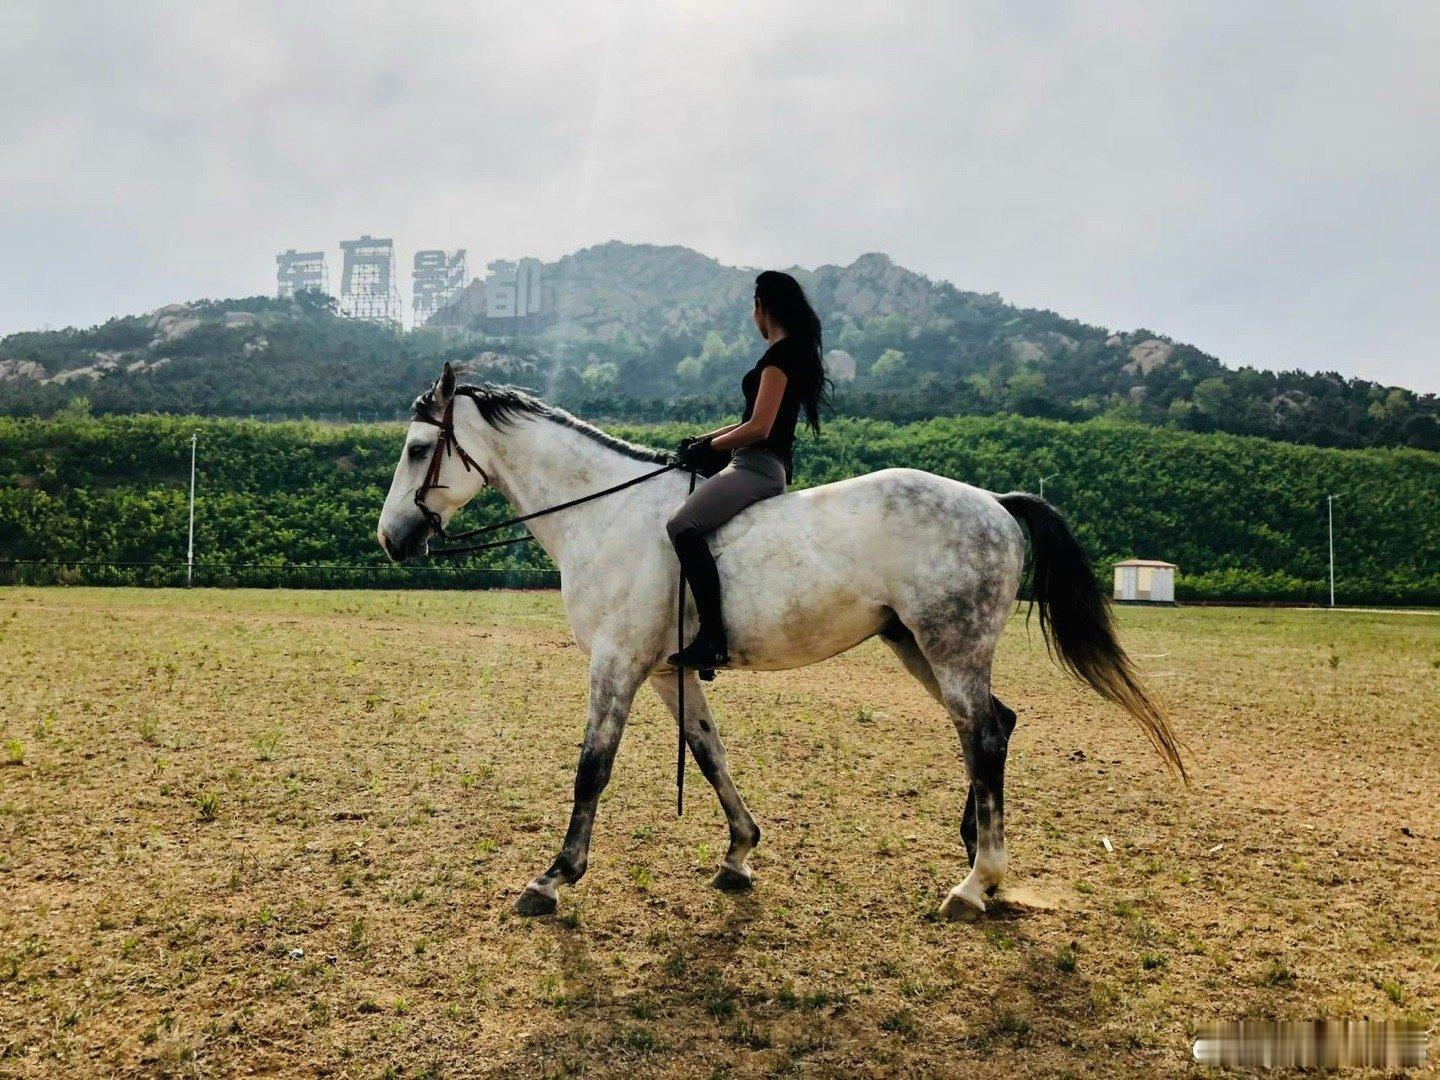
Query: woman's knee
x=678 y=523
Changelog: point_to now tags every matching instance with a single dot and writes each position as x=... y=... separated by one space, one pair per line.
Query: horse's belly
x=773 y=631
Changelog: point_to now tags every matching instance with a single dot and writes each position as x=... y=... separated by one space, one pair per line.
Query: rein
x=680 y=688
x=447 y=445
x=483 y=529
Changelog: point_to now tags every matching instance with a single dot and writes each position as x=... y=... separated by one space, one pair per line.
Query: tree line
x=971 y=354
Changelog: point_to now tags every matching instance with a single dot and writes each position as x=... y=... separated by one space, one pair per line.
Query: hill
x=1244 y=517
x=642 y=332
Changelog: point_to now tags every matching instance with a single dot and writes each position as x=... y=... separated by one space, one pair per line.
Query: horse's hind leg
x=899 y=638
x=703 y=738
x=984 y=724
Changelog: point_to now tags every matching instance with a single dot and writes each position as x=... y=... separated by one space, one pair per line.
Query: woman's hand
x=691 y=453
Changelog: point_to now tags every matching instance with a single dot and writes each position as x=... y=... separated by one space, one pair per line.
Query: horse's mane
x=499 y=406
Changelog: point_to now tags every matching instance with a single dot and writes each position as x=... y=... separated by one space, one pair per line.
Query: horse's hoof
x=728 y=880
x=533 y=902
x=958 y=908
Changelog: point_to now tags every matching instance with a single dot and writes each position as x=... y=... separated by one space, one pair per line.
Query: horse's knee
x=591 y=774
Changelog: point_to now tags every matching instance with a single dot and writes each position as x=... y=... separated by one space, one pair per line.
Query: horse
x=931 y=565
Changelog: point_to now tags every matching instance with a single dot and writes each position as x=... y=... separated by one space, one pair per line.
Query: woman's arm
x=767 y=407
x=717 y=432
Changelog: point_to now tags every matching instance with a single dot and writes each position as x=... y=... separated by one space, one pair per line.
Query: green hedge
x=1244 y=518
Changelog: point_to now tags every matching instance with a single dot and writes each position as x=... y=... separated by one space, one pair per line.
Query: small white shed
x=1148 y=581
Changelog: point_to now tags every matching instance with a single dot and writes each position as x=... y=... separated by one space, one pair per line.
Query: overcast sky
x=1261 y=179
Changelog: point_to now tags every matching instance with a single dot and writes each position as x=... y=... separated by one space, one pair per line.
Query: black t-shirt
x=794 y=358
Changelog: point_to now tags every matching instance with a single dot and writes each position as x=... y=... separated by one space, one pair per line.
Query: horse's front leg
x=613 y=682
x=703 y=738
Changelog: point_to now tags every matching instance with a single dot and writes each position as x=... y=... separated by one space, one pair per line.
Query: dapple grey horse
x=931 y=565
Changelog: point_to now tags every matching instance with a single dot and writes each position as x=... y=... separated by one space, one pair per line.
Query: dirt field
x=277 y=832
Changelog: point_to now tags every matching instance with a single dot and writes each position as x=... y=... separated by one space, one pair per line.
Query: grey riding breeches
x=752 y=475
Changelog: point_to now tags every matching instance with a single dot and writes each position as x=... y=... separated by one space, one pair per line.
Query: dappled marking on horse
x=931 y=565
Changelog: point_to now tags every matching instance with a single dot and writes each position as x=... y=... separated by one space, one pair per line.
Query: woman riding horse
x=789 y=377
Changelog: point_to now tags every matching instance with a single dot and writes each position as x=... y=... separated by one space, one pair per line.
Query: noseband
x=445 y=445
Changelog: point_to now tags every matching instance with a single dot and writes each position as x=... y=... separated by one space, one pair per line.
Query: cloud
x=1257 y=179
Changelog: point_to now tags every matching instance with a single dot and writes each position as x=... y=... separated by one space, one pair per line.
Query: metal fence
x=262 y=576
x=172 y=575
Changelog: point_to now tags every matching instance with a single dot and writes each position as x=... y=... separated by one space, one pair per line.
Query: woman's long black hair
x=785 y=301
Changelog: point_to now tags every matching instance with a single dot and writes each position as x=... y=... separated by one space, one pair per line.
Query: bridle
x=445 y=446
x=448 y=444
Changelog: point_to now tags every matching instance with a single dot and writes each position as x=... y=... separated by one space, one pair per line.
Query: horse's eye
x=417 y=452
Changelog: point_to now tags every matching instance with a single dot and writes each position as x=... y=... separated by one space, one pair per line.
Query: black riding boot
x=709 y=650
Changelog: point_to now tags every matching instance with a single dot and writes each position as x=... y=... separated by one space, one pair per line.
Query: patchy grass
x=207 y=804
x=385 y=771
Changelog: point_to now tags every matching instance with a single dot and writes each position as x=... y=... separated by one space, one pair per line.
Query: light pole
x=190 y=554
x=1042 y=482
x=1330 y=516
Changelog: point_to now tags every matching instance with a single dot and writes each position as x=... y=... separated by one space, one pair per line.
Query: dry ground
x=279 y=832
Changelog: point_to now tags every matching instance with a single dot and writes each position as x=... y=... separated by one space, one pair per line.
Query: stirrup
x=699 y=655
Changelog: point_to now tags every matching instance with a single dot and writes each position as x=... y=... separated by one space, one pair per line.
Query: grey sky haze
x=1262 y=180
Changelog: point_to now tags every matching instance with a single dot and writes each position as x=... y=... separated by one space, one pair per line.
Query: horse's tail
x=1075 y=619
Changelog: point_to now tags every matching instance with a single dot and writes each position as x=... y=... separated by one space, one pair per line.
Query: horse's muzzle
x=411 y=544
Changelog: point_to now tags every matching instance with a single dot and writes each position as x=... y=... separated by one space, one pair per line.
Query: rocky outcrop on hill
x=138 y=345
x=641 y=289
x=1147 y=356
x=20 y=371
x=840 y=365
x=874 y=285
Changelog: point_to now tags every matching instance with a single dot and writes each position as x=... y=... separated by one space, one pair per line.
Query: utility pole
x=190 y=554
x=1042 y=482
x=1330 y=515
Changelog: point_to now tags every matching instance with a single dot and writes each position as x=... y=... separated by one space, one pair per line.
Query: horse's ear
x=445 y=388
